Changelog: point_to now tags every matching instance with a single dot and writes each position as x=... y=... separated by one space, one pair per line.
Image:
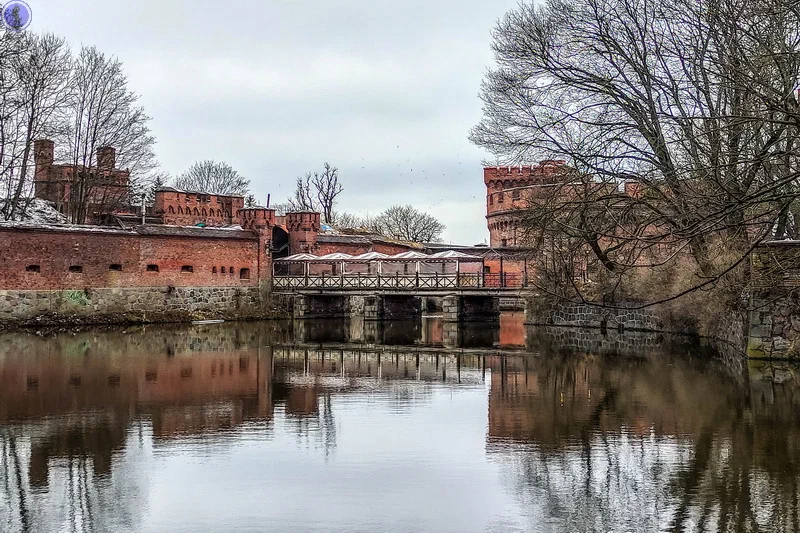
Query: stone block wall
x=544 y=312
x=136 y=304
x=774 y=326
x=774 y=329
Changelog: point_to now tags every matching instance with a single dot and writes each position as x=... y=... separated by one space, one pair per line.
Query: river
x=281 y=427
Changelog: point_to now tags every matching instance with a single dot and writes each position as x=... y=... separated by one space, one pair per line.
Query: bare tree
x=407 y=223
x=304 y=198
x=281 y=208
x=318 y=192
x=34 y=83
x=216 y=177
x=692 y=104
x=102 y=112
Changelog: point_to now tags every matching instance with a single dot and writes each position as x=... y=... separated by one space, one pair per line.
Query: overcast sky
x=386 y=91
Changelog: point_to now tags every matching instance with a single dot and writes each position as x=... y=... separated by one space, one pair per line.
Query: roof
x=167 y=188
x=194 y=231
x=343 y=239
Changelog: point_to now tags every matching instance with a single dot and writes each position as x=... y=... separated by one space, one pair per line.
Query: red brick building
x=508 y=189
x=107 y=187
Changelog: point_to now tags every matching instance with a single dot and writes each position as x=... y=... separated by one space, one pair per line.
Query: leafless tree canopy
x=402 y=222
x=82 y=103
x=318 y=192
x=409 y=224
x=694 y=101
x=34 y=76
x=102 y=111
x=216 y=177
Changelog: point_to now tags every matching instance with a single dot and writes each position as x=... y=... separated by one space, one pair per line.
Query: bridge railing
x=506 y=280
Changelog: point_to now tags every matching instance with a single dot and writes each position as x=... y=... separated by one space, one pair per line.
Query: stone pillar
x=300 y=306
x=760 y=342
x=451 y=334
x=373 y=307
x=371 y=331
x=451 y=308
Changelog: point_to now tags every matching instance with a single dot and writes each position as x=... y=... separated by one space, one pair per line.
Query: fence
x=402 y=281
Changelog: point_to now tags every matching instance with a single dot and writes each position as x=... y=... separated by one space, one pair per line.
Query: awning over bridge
x=410 y=256
x=405 y=263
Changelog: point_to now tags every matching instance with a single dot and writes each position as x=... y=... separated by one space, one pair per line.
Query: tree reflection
x=646 y=444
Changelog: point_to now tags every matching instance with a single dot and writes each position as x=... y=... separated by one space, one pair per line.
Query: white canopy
x=455 y=255
x=336 y=256
x=405 y=256
x=370 y=256
x=298 y=257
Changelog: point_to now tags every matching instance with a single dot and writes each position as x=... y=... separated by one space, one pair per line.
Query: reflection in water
x=347 y=426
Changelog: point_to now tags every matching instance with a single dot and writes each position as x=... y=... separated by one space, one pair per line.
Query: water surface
x=406 y=427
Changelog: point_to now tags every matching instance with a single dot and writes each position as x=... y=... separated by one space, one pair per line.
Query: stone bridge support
x=470 y=308
x=321 y=306
x=392 y=307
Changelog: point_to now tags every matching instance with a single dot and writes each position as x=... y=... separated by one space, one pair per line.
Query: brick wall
x=303 y=228
x=151 y=256
x=181 y=208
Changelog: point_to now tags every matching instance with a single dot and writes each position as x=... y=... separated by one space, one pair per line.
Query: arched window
x=205 y=213
x=223 y=270
x=219 y=212
x=213 y=270
x=171 y=210
x=180 y=210
x=196 y=212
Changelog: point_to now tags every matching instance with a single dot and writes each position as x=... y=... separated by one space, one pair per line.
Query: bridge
x=435 y=282
x=459 y=296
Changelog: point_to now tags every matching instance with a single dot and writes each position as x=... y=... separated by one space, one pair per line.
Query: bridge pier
x=321 y=306
x=392 y=307
x=458 y=308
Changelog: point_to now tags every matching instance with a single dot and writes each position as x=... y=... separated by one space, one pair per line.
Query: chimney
x=106 y=158
x=43 y=157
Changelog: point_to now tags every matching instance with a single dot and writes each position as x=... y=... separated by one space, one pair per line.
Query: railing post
x=378 y=286
x=323 y=278
x=416 y=277
x=306 y=280
x=458 y=279
x=436 y=279
x=359 y=280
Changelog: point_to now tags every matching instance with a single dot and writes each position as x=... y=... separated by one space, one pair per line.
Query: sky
x=385 y=91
